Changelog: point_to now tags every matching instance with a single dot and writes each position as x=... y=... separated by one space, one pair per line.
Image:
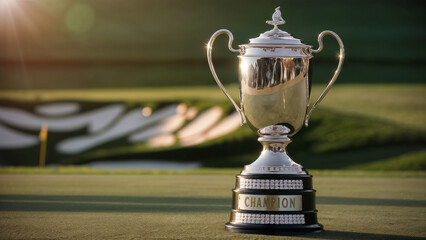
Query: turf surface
x=46 y=206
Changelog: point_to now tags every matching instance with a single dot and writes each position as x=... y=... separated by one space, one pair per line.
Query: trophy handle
x=209 y=59
x=336 y=73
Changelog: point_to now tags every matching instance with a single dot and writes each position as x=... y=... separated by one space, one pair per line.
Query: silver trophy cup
x=274 y=194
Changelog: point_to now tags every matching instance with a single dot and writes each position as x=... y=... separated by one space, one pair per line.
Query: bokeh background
x=151 y=54
x=110 y=44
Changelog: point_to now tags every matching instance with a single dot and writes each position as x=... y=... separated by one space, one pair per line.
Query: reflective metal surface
x=216 y=78
x=274 y=91
x=275 y=82
x=336 y=73
x=274 y=158
x=275 y=86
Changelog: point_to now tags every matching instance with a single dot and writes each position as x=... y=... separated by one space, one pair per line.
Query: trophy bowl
x=274 y=194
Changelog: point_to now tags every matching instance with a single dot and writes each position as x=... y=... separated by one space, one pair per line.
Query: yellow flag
x=43 y=133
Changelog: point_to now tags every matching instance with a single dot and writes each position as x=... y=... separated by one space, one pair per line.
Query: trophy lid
x=275 y=36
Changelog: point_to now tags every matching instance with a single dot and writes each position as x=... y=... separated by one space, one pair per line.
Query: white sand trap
x=144 y=164
x=160 y=135
x=129 y=123
x=95 y=120
x=169 y=125
x=202 y=123
x=162 y=140
x=57 y=109
x=11 y=139
x=191 y=113
x=227 y=125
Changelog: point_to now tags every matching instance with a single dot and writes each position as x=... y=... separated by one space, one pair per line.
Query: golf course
x=379 y=195
x=126 y=84
x=375 y=132
x=196 y=205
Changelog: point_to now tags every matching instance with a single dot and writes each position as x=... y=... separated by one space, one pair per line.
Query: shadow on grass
x=78 y=203
x=355 y=235
x=370 y=201
x=140 y=204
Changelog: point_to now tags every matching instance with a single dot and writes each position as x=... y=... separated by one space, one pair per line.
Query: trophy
x=274 y=194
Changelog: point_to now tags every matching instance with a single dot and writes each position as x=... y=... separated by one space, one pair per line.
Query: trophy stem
x=274 y=158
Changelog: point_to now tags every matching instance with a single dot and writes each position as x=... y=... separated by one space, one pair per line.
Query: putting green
x=55 y=206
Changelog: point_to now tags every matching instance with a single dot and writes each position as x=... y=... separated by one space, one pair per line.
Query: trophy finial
x=276 y=18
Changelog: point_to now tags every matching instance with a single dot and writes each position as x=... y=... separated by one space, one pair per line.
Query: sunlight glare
x=6 y=7
x=7 y=2
x=244 y=66
x=146 y=111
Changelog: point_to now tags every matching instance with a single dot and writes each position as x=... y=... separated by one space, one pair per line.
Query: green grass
x=208 y=93
x=83 y=170
x=416 y=160
x=195 y=207
x=395 y=103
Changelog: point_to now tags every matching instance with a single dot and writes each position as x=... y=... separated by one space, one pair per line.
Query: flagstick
x=43 y=145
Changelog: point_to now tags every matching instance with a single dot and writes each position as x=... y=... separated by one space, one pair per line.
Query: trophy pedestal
x=274 y=204
x=274 y=195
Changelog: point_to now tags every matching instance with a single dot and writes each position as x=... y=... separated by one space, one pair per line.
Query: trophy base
x=274 y=204
x=274 y=195
x=273 y=230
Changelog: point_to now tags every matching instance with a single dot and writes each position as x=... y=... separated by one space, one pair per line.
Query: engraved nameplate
x=269 y=202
